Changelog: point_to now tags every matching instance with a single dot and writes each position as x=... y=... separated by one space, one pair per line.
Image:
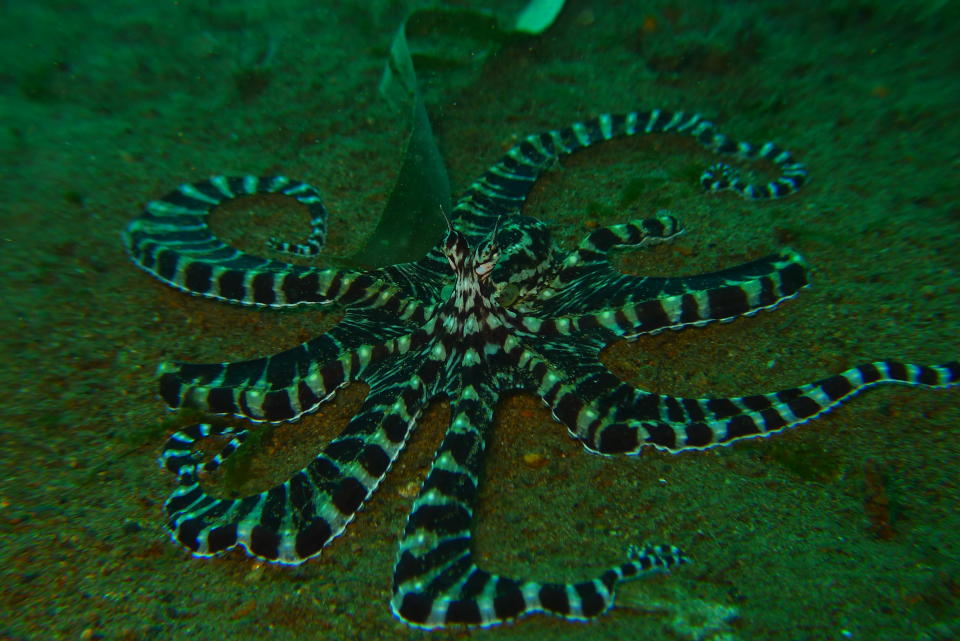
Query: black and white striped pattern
x=495 y=306
x=504 y=187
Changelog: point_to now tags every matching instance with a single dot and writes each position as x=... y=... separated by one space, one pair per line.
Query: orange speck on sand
x=875 y=501
x=535 y=460
x=245 y=609
x=649 y=24
x=409 y=490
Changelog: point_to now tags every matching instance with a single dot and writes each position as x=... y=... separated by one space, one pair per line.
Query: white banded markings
x=295 y=520
x=172 y=240
x=539 y=151
x=709 y=422
x=722 y=296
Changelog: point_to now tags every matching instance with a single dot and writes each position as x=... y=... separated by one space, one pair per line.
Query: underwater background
x=844 y=528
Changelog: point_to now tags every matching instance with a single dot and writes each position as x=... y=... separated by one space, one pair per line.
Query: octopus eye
x=449 y=244
x=486 y=258
x=484 y=251
x=455 y=249
x=483 y=269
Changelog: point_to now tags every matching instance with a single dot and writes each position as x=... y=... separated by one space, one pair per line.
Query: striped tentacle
x=287 y=385
x=628 y=306
x=504 y=187
x=422 y=280
x=436 y=581
x=579 y=390
x=594 y=250
x=172 y=241
x=588 y=267
x=294 y=520
x=610 y=417
x=719 y=421
x=179 y=457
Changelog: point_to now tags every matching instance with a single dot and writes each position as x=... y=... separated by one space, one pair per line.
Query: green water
x=105 y=106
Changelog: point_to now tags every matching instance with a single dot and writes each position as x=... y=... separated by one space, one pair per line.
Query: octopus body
x=496 y=306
